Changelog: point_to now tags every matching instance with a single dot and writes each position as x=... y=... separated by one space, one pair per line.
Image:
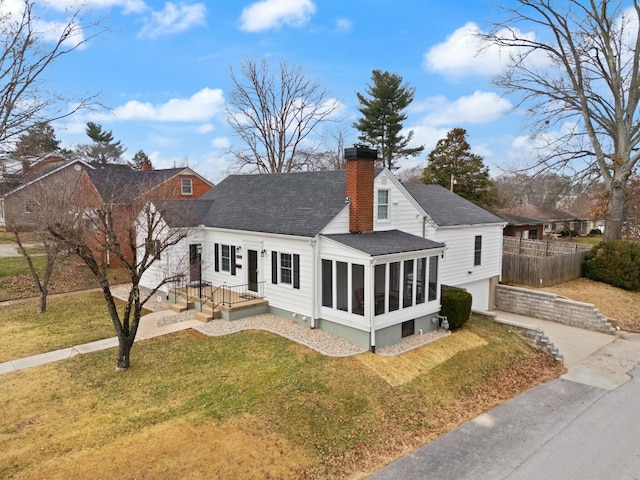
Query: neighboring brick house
x=125 y=191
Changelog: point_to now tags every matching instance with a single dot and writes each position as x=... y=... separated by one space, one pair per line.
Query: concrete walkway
x=584 y=352
x=151 y=325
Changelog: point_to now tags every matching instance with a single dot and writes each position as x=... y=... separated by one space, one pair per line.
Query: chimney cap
x=360 y=152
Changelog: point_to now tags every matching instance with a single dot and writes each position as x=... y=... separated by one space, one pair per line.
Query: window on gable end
x=383 y=204
x=187 y=186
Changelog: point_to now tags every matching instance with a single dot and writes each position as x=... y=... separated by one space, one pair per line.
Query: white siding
x=282 y=296
x=457 y=267
x=403 y=215
x=340 y=224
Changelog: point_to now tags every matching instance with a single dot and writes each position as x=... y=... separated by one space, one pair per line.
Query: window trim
x=383 y=204
x=286 y=271
x=276 y=270
x=477 y=251
x=186 y=189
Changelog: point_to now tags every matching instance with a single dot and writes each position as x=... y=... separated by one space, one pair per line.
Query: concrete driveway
x=582 y=426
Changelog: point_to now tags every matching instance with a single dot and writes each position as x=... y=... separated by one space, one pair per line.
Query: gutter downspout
x=315 y=252
x=371 y=313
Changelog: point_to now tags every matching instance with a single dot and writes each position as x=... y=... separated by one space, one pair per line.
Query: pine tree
x=452 y=165
x=141 y=161
x=103 y=150
x=382 y=116
x=36 y=141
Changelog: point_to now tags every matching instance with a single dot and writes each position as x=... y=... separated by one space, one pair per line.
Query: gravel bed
x=314 y=338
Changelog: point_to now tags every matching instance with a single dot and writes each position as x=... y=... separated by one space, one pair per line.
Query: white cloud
x=128 y=6
x=200 y=107
x=479 y=107
x=268 y=14
x=221 y=142
x=173 y=19
x=343 y=25
x=205 y=128
x=463 y=53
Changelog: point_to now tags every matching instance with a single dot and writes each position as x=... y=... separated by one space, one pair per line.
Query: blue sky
x=162 y=69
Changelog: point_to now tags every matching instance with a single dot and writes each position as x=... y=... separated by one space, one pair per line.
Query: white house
x=353 y=252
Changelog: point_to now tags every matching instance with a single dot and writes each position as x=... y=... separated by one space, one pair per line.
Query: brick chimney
x=146 y=166
x=360 y=175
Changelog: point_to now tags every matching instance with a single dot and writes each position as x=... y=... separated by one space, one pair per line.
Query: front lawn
x=69 y=274
x=251 y=405
x=68 y=321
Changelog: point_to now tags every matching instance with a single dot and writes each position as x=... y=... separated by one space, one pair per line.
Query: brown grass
x=616 y=303
x=248 y=405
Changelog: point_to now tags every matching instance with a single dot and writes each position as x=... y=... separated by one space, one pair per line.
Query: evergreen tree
x=36 y=141
x=103 y=150
x=382 y=116
x=141 y=161
x=452 y=165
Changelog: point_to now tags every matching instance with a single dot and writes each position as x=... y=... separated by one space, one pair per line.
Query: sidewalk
x=151 y=325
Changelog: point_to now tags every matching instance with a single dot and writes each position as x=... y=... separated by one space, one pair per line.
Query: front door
x=195 y=263
x=252 y=270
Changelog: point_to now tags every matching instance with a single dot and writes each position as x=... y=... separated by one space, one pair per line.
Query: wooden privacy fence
x=540 y=263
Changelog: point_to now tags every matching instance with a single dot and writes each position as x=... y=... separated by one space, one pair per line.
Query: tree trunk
x=615 y=212
x=43 y=301
x=124 y=350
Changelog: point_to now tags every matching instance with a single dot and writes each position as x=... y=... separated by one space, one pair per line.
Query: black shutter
x=233 y=260
x=296 y=271
x=274 y=267
x=216 y=255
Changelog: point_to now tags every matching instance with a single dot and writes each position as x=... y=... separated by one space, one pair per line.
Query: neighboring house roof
x=448 y=209
x=542 y=214
x=117 y=185
x=300 y=204
x=47 y=171
x=516 y=220
x=384 y=243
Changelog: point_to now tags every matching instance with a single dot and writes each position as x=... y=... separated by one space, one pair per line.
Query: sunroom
x=379 y=287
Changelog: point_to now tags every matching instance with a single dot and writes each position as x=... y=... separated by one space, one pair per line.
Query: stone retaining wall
x=534 y=336
x=551 y=307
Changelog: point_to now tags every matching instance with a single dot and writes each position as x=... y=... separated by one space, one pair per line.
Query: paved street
x=566 y=429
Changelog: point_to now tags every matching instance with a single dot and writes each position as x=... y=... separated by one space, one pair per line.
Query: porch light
x=263 y=253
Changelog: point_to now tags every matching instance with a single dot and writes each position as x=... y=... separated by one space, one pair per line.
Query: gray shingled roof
x=299 y=204
x=384 y=243
x=448 y=209
x=117 y=185
x=186 y=213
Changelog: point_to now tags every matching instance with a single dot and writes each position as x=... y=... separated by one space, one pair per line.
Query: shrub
x=595 y=231
x=456 y=306
x=616 y=263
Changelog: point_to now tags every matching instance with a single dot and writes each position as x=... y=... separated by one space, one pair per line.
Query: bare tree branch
x=273 y=114
x=579 y=74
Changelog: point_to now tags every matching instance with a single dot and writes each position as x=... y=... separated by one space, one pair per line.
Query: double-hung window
x=383 y=204
x=187 y=186
x=286 y=268
x=225 y=258
x=477 y=251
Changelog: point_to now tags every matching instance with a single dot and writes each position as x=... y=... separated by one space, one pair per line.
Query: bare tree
x=28 y=48
x=131 y=227
x=30 y=210
x=274 y=113
x=580 y=73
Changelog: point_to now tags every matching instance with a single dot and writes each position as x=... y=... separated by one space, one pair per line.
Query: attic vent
x=383 y=181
